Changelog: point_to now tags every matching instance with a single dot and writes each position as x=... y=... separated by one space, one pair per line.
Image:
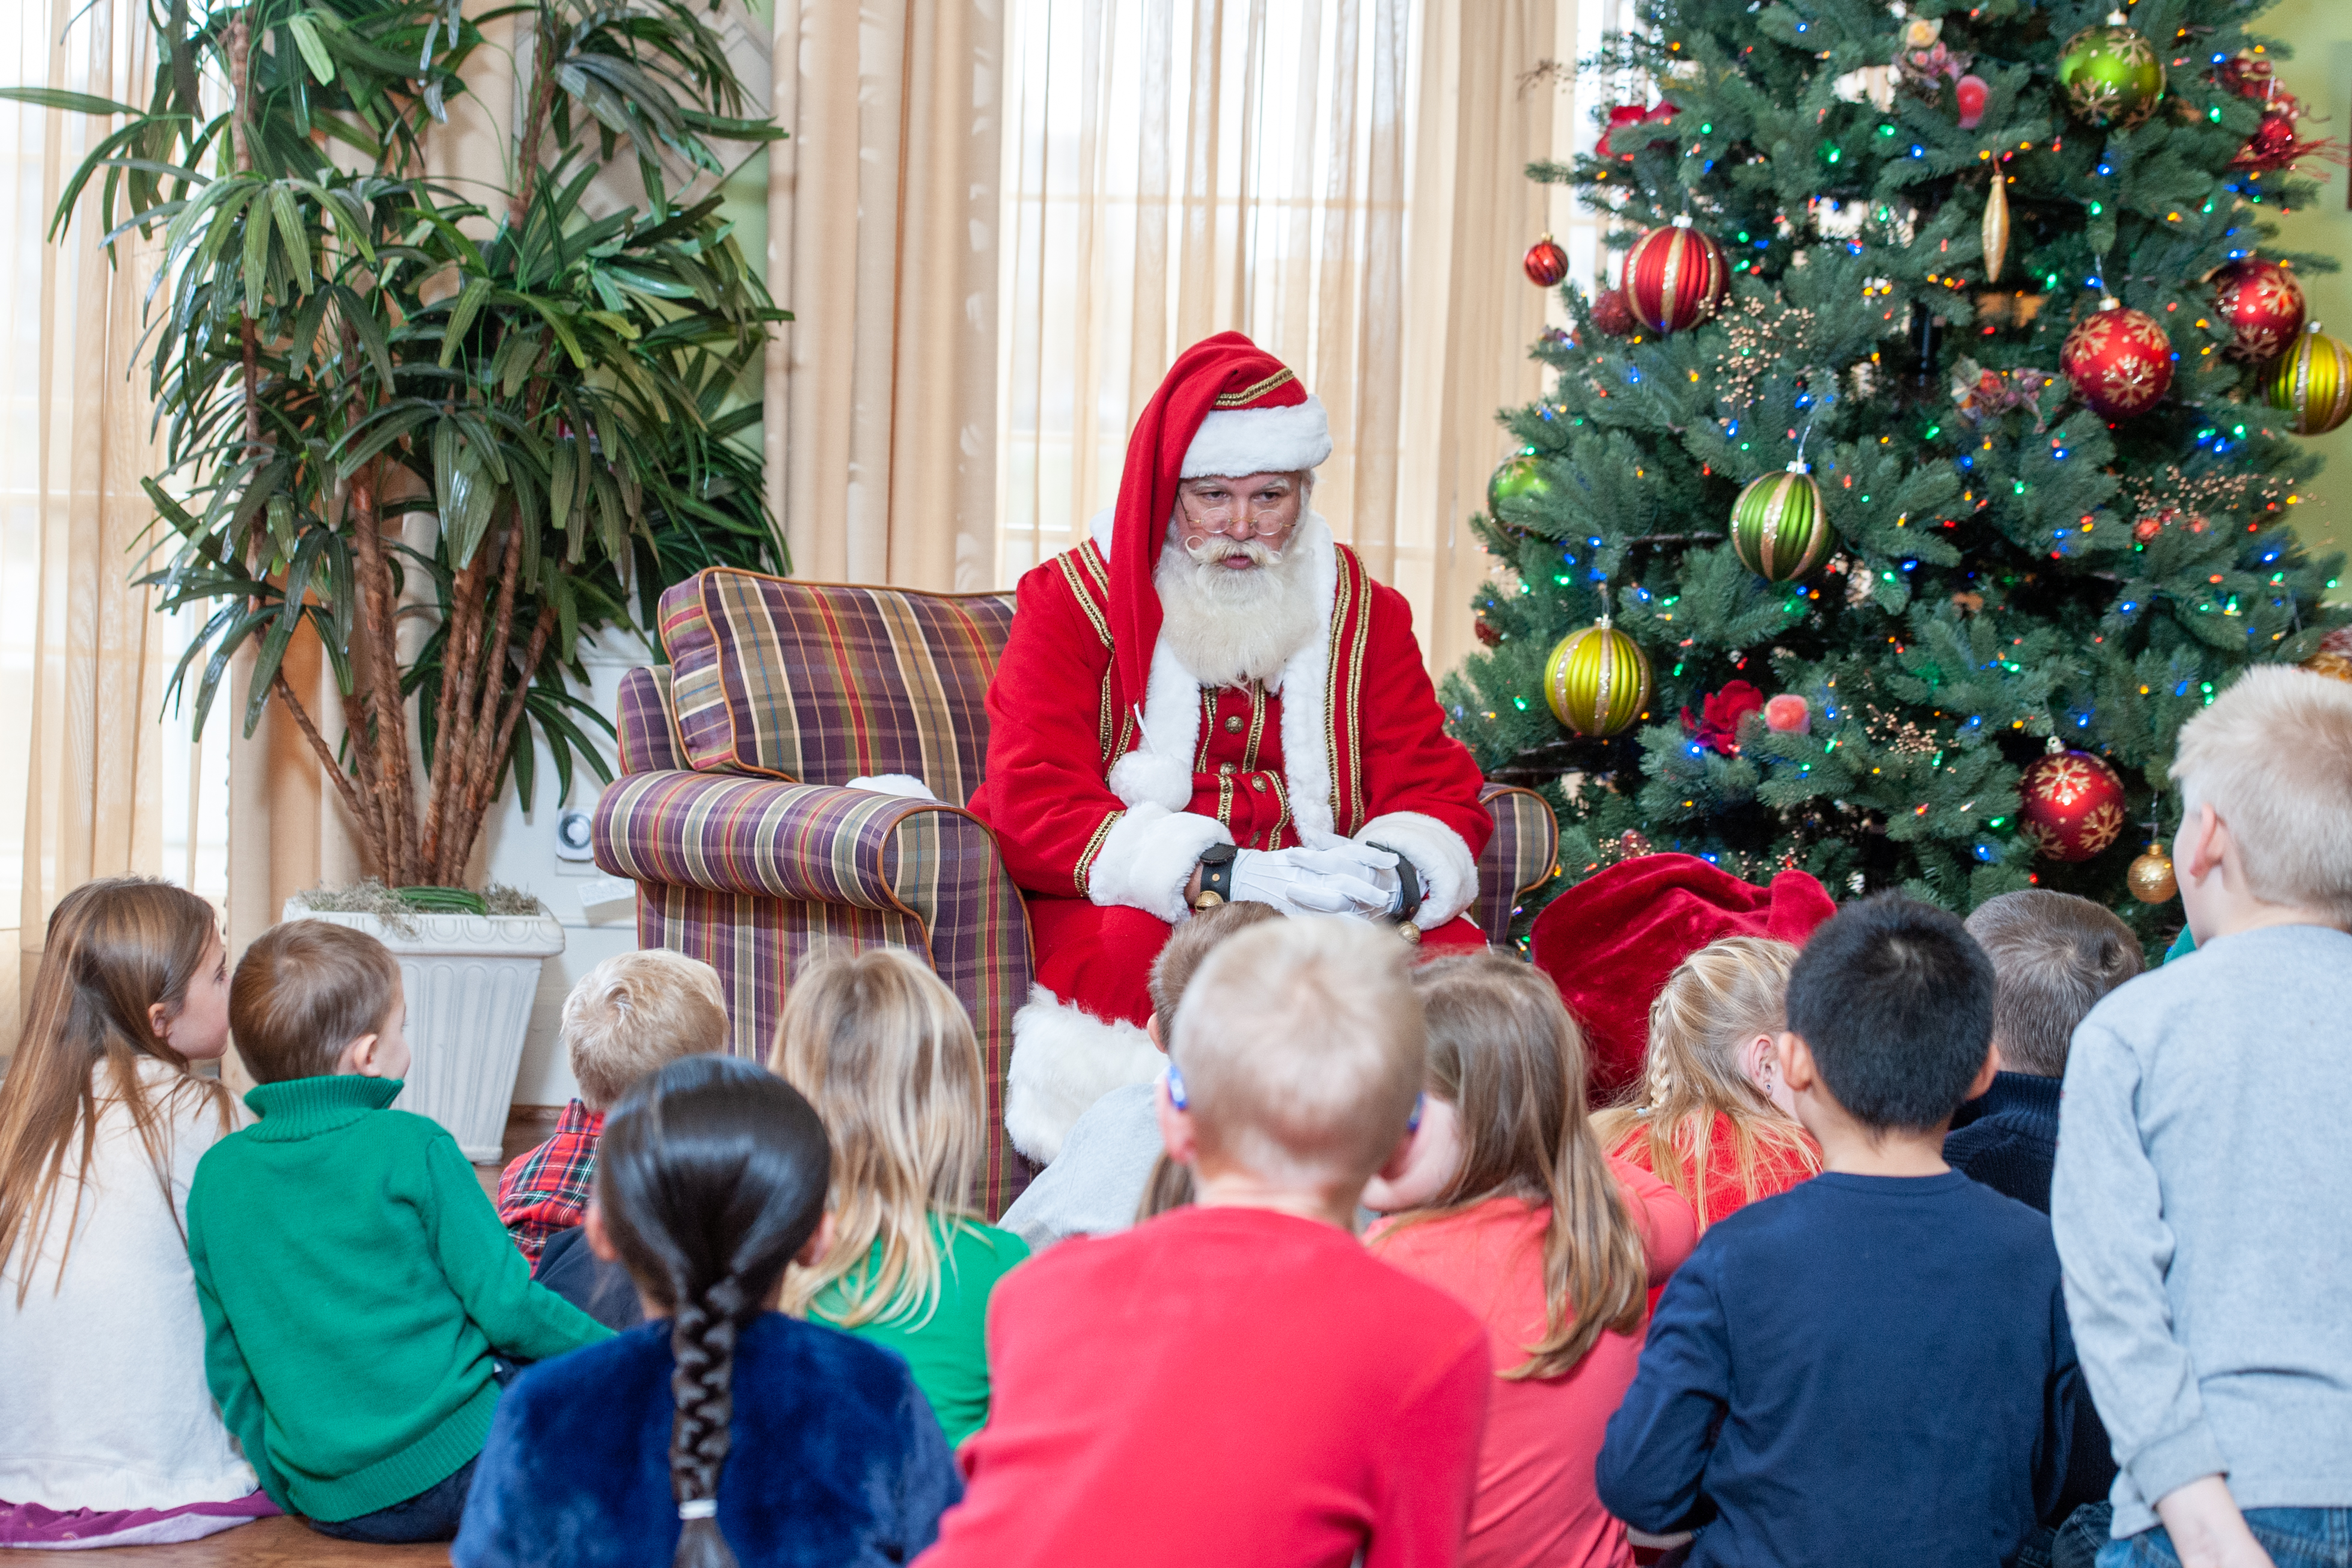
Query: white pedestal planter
x=469 y=980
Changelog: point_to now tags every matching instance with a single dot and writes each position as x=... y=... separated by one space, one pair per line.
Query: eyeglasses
x=1236 y=517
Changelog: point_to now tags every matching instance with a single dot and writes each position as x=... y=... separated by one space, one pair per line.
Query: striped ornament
x=1777 y=530
x=1675 y=278
x=1598 y=680
x=2311 y=384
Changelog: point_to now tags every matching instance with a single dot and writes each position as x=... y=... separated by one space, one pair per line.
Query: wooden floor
x=282 y=1542
x=264 y=1543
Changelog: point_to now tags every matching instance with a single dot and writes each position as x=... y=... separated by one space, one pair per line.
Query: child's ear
x=1177 y=1134
x=1983 y=1079
x=600 y=1238
x=819 y=1243
x=2208 y=841
x=1150 y=1031
x=358 y=1059
x=1796 y=1062
x=159 y=1018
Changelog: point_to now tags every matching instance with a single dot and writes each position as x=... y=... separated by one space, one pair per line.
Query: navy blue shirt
x=835 y=1458
x=2011 y=1144
x=1862 y=1369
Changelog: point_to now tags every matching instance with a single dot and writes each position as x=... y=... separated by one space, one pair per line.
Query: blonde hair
x=2273 y=757
x=1716 y=1000
x=636 y=1013
x=115 y=949
x=1506 y=1053
x=885 y=1053
x=1302 y=1051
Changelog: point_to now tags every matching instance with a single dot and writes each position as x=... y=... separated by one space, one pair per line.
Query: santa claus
x=1209 y=699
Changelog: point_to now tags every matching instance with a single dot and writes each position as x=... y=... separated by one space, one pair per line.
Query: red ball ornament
x=2119 y=361
x=2071 y=804
x=1612 y=315
x=2274 y=144
x=1546 y=263
x=1675 y=278
x=2262 y=304
x=1970 y=93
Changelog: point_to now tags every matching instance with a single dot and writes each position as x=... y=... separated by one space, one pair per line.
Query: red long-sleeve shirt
x=1222 y=1385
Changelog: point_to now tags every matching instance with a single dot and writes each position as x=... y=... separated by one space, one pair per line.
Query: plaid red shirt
x=546 y=1190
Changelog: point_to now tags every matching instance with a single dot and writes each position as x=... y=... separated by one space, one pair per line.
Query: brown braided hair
x=710 y=1174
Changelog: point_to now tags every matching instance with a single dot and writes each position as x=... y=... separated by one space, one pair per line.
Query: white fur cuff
x=1148 y=856
x=1064 y=1059
x=1448 y=871
x=1233 y=442
x=1146 y=778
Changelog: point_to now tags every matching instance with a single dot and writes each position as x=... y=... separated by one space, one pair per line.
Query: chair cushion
x=824 y=683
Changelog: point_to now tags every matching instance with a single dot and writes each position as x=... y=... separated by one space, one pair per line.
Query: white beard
x=1228 y=628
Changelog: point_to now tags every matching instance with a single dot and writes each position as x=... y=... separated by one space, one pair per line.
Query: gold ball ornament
x=1597 y=680
x=2311 y=384
x=2152 y=876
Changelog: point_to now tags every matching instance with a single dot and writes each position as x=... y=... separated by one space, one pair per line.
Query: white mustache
x=1215 y=547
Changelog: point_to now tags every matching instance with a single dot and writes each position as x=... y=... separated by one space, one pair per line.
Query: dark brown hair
x=305 y=990
x=2053 y=956
x=115 y=948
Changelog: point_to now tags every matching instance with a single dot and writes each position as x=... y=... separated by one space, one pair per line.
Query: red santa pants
x=1100 y=957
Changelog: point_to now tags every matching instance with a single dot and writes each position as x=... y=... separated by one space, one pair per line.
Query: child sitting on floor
x=885 y=1053
x=1240 y=1381
x=111 y=1436
x=624 y=1018
x=356 y=1282
x=1111 y=1158
x=1712 y=1116
x=1873 y=1367
x=2198 y=1194
x=1507 y=1204
x=712 y=1181
x=2053 y=956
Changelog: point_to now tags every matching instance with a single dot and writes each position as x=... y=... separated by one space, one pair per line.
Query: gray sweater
x=2202 y=1203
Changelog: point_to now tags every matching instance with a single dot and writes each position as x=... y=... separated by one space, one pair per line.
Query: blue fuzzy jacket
x=837 y=1460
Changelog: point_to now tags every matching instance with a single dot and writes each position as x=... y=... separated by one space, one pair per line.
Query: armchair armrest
x=1518 y=858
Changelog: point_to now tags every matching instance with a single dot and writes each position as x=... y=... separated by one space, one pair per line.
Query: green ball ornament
x=1597 y=680
x=1777 y=530
x=1520 y=480
x=2111 y=75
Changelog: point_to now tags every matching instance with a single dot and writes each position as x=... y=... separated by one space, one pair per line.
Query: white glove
x=1307 y=882
x=1329 y=851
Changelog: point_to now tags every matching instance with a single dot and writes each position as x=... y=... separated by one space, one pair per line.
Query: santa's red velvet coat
x=1110 y=769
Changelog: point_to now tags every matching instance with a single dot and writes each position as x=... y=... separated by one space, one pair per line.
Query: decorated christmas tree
x=1933 y=460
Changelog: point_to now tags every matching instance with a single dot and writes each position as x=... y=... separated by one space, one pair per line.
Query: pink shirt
x=1536 y=1502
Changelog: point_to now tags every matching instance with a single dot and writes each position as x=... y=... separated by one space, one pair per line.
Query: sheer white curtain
x=95 y=779
x=1340 y=179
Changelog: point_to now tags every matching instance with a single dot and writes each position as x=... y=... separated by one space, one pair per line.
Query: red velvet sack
x=1610 y=942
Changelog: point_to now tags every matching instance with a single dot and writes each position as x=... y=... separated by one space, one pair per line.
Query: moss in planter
x=398 y=910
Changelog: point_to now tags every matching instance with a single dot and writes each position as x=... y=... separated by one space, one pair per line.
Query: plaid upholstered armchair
x=731 y=816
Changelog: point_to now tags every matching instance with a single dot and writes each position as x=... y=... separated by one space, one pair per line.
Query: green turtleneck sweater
x=355 y=1282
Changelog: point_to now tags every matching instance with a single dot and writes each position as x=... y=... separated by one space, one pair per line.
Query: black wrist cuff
x=1217 y=876
x=1409 y=890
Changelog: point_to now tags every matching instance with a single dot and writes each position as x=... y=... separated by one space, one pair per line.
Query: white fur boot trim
x=1064 y=1059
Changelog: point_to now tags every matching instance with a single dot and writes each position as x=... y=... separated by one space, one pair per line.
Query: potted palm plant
x=443 y=430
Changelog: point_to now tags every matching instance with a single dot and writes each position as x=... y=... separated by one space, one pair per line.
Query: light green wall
x=2320 y=74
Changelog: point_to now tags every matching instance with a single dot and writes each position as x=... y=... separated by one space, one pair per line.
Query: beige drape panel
x=1341 y=179
x=82 y=660
x=882 y=211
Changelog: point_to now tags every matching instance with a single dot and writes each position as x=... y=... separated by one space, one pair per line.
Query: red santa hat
x=1609 y=943
x=1227 y=407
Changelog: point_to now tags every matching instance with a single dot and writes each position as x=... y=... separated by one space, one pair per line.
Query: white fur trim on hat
x=1235 y=441
x=1447 y=870
x=1064 y=1059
